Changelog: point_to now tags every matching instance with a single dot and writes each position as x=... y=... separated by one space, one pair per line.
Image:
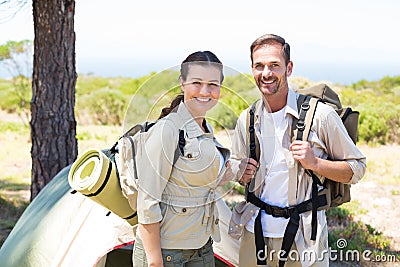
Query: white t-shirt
x=273 y=128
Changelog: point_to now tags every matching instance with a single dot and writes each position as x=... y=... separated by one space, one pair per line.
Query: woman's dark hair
x=203 y=58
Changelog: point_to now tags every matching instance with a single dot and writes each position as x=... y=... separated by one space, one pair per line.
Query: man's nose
x=267 y=72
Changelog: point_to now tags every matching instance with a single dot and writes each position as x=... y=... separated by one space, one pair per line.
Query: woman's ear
x=181 y=82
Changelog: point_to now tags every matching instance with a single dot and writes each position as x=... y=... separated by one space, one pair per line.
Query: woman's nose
x=205 y=88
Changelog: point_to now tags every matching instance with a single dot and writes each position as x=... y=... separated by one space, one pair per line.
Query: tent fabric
x=63 y=229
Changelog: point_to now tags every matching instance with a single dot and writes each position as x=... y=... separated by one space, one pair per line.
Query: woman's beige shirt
x=180 y=196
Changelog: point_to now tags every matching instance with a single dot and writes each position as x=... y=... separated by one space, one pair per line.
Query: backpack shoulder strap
x=306 y=106
x=181 y=144
x=251 y=136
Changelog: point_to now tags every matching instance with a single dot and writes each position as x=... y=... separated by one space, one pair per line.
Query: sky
x=341 y=41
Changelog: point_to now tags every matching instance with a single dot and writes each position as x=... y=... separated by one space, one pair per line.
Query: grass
x=359 y=236
x=11 y=207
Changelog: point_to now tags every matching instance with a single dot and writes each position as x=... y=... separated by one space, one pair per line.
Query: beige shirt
x=329 y=139
x=181 y=196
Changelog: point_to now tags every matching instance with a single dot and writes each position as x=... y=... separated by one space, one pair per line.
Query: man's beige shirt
x=328 y=138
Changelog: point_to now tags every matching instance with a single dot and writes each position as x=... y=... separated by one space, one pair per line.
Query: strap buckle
x=300 y=125
x=305 y=106
x=288 y=211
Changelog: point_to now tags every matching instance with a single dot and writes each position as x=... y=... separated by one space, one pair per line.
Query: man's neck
x=275 y=102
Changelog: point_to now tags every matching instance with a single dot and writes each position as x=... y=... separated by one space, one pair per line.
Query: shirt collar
x=291 y=104
x=192 y=129
x=290 y=108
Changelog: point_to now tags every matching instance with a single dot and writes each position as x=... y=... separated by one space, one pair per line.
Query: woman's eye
x=213 y=84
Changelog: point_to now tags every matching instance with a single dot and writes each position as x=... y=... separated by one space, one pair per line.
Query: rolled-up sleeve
x=358 y=167
x=154 y=163
x=239 y=145
x=340 y=146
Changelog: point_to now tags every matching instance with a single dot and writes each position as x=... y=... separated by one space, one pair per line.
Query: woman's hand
x=228 y=175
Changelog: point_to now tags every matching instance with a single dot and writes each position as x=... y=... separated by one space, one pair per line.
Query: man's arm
x=339 y=171
x=345 y=161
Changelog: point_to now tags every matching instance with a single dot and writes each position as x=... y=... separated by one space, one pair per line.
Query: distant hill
x=126 y=101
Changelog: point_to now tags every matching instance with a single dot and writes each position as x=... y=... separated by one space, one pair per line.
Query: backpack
x=337 y=192
x=333 y=193
x=105 y=176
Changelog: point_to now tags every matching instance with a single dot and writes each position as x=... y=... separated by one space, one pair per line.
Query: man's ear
x=289 y=68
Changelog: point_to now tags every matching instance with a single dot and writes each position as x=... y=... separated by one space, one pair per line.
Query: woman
x=177 y=215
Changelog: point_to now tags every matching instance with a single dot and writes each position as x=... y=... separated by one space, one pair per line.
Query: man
x=279 y=178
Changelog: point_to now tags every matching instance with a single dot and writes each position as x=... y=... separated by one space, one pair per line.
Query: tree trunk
x=53 y=125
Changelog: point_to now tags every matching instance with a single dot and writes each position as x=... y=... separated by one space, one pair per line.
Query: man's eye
x=258 y=67
x=196 y=83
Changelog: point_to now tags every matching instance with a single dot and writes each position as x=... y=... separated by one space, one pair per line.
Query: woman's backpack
x=109 y=176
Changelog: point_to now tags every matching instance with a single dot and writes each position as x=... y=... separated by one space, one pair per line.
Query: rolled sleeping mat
x=94 y=175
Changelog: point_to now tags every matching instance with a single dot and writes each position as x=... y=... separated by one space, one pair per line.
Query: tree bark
x=53 y=125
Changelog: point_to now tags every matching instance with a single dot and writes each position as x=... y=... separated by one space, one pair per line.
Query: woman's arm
x=154 y=166
x=150 y=234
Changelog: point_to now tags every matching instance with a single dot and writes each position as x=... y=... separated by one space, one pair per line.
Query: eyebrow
x=206 y=81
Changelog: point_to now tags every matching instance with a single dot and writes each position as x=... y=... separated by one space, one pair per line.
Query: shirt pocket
x=183 y=208
x=182 y=220
x=191 y=150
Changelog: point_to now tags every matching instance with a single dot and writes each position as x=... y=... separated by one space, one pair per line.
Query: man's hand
x=302 y=152
x=248 y=168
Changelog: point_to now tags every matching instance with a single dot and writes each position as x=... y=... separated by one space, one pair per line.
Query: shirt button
x=184 y=210
x=168 y=258
x=216 y=221
x=189 y=156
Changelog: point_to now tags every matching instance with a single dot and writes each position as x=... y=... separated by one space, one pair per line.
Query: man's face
x=270 y=70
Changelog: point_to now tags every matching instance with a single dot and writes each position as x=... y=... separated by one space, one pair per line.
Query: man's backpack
x=338 y=193
x=333 y=194
x=110 y=181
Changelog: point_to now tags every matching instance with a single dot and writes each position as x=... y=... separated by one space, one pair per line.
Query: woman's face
x=201 y=88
